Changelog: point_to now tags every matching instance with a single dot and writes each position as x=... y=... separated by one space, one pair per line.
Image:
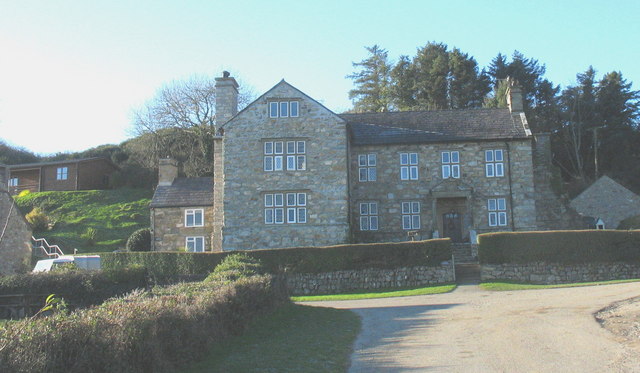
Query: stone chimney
x=167 y=171
x=514 y=96
x=226 y=98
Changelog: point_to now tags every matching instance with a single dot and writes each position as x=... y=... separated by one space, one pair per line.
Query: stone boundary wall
x=555 y=273
x=371 y=278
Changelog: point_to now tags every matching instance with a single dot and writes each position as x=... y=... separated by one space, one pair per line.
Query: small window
x=273 y=110
x=497 y=212
x=194 y=218
x=408 y=166
x=450 y=164
x=369 y=216
x=62 y=173
x=293 y=107
x=285 y=207
x=13 y=182
x=367 y=167
x=195 y=244
x=276 y=160
x=284 y=109
x=494 y=165
x=410 y=215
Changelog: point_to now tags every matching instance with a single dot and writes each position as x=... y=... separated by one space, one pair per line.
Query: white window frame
x=14 y=182
x=409 y=166
x=273 y=109
x=369 y=220
x=450 y=163
x=195 y=241
x=367 y=167
x=284 y=154
x=494 y=163
x=193 y=213
x=410 y=215
x=285 y=207
x=62 y=173
x=497 y=208
x=276 y=109
x=293 y=104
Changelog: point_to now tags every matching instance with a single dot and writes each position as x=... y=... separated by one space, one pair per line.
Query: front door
x=452 y=225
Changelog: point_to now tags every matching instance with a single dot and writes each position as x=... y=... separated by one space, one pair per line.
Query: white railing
x=51 y=251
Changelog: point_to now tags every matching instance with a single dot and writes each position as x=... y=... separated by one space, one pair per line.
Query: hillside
x=114 y=214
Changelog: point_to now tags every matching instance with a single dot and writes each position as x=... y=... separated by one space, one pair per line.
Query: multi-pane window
x=497 y=212
x=450 y=164
x=368 y=216
x=410 y=215
x=285 y=207
x=195 y=244
x=408 y=166
x=283 y=109
x=279 y=155
x=62 y=173
x=494 y=163
x=13 y=182
x=367 y=167
x=194 y=218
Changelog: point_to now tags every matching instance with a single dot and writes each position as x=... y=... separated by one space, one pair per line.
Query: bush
x=78 y=288
x=296 y=260
x=140 y=240
x=630 y=223
x=90 y=236
x=38 y=219
x=141 y=332
x=567 y=247
x=24 y=193
x=235 y=267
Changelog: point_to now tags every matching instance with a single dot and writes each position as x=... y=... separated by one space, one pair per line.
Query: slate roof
x=62 y=162
x=184 y=192
x=410 y=127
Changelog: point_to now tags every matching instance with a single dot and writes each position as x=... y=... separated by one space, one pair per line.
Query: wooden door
x=452 y=226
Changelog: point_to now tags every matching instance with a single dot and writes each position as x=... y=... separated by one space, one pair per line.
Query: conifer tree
x=372 y=82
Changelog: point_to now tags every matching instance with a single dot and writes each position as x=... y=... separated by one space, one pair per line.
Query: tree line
x=593 y=124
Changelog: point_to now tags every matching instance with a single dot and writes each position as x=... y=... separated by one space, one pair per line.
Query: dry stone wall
x=368 y=279
x=555 y=273
x=15 y=237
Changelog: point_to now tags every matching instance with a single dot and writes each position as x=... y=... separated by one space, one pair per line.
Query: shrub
x=38 y=219
x=140 y=332
x=296 y=260
x=235 y=267
x=630 y=223
x=567 y=247
x=90 y=236
x=140 y=240
x=24 y=193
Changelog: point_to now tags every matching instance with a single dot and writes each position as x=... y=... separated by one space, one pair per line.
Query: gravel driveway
x=471 y=330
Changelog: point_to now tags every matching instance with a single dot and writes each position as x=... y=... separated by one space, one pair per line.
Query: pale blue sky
x=72 y=71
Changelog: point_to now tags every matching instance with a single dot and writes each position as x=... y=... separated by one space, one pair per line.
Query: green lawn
x=114 y=214
x=294 y=338
x=506 y=286
x=382 y=293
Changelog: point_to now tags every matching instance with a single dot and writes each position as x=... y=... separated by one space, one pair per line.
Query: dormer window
x=284 y=109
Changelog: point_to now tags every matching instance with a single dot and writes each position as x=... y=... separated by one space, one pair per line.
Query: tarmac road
x=471 y=330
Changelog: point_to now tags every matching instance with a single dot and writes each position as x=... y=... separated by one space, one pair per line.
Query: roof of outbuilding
x=184 y=192
x=61 y=162
x=409 y=127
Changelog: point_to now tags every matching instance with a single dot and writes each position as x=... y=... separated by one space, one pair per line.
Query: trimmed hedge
x=141 y=332
x=297 y=260
x=567 y=247
x=78 y=288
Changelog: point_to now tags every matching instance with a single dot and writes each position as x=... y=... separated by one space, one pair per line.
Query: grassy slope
x=292 y=339
x=115 y=214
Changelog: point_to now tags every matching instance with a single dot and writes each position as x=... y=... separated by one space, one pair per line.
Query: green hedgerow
x=235 y=267
x=140 y=240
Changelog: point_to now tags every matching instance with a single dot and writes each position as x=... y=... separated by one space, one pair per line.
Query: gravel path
x=471 y=330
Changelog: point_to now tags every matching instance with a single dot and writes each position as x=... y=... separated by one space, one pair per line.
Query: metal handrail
x=46 y=248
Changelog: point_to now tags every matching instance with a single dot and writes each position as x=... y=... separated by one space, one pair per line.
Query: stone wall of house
x=552 y=210
x=554 y=273
x=245 y=182
x=368 y=279
x=469 y=194
x=169 y=231
x=15 y=237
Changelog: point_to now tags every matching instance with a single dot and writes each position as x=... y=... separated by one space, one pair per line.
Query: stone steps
x=467 y=273
x=464 y=253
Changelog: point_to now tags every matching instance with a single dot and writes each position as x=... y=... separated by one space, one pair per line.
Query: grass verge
x=382 y=293
x=294 y=338
x=507 y=285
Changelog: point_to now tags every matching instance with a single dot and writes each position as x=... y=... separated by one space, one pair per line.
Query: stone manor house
x=289 y=172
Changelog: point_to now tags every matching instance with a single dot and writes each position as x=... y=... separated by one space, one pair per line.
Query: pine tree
x=402 y=87
x=372 y=82
x=431 y=66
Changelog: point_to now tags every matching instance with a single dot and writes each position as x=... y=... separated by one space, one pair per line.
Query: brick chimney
x=167 y=171
x=226 y=98
x=514 y=96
